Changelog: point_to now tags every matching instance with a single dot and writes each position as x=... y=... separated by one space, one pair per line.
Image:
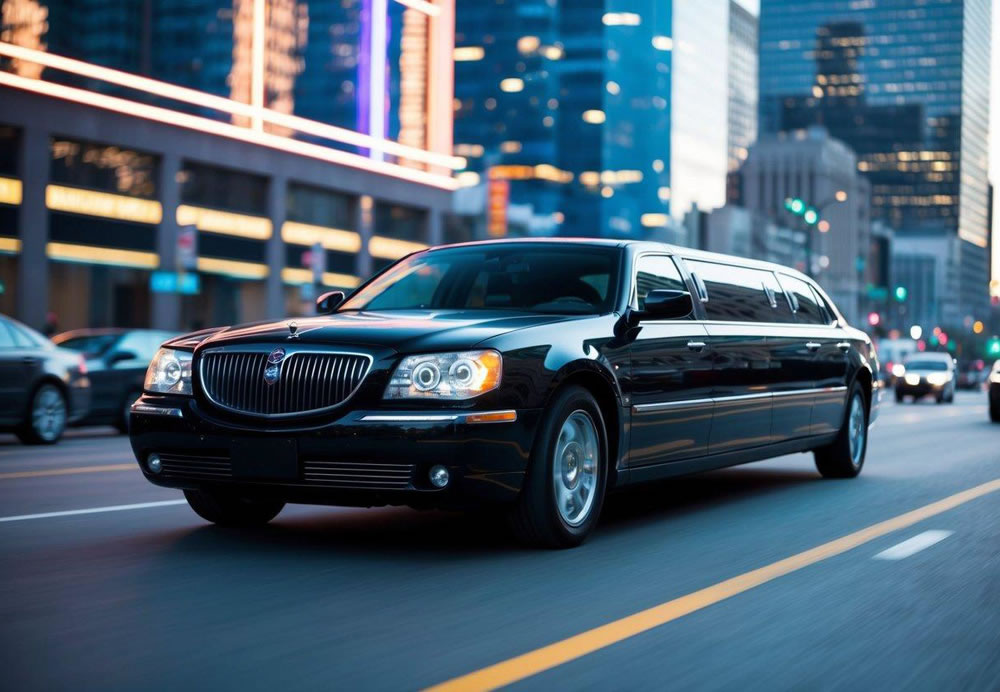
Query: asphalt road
x=733 y=575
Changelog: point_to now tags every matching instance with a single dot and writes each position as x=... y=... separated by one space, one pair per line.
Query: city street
x=142 y=594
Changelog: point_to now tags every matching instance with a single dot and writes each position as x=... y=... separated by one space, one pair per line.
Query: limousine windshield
x=575 y=280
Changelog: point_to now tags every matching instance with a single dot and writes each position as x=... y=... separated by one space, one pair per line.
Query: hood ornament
x=293 y=330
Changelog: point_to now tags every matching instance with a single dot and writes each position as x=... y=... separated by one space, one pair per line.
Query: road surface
x=759 y=577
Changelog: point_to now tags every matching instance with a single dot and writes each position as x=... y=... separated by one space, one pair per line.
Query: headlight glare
x=939 y=378
x=451 y=376
x=169 y=372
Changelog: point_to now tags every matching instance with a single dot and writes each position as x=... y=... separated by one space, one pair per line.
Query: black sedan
x=42 y=387
x=531 y=376
x=116 y=363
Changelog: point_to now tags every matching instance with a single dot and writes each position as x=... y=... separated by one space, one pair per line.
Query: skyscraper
x=907 y=87
x=603 y=121
x=743 y=88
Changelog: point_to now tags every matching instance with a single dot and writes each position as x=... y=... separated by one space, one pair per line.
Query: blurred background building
x=313 y=146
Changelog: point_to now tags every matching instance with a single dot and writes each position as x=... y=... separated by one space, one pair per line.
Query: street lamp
x=811 y=216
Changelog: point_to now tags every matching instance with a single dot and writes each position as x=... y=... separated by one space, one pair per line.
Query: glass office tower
x=907 y=86
x=606 y=118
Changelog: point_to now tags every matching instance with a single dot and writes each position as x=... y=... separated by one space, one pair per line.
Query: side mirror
x=328 y=302
x=663 y=304
x=120 y=356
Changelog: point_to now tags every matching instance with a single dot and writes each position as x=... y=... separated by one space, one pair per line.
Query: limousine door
x=736 y=308
x=671 y=373
x=829 y=347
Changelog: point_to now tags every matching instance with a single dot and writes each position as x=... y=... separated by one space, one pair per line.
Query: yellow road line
x=539 y=660
x=68 y=471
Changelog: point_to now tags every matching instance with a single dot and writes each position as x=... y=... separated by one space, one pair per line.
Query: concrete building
x=101 y=170
x=739 y=231
x=822 y=171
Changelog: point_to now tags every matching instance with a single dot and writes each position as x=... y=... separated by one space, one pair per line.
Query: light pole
x=811 y=216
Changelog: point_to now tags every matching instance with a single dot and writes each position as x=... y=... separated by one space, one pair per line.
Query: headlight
x=913 y=380
x=169 y=372
x=446 y=376
x=938 y=378
x=995 y=377
x=898 y=370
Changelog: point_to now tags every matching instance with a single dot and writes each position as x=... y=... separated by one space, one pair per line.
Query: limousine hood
x=409 y=331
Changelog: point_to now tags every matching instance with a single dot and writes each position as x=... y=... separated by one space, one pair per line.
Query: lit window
x=512 y=85
x=663 y=43
x=621 y=19
x=655 y=220
x=528 y=44
x=594 y=116
x=468 y=53
x=613 y=88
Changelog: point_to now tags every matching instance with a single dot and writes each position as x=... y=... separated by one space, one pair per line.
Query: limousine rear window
x=736 y=294
x=543 y=278
x=809 y=310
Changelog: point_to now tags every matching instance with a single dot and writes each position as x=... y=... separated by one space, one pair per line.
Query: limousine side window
x=656 y=272
x=736 y=294
x=808 y=309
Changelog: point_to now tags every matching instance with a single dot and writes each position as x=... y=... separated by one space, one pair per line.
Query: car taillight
x=83 y=365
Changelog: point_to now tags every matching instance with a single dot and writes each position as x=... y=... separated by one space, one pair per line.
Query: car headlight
x=995 y=377
x=912 y=380
x=938 y=378
x=169 y=372
x=898 y=370
x=451 y=376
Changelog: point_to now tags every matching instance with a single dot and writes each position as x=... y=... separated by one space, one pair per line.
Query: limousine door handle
x=696 y=345
x=844 y=346
x=812 y=346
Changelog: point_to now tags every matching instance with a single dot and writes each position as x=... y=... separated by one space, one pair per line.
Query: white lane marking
x=92 y=510
x=913 y=545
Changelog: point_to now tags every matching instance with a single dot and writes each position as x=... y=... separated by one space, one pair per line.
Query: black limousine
x=533 y=376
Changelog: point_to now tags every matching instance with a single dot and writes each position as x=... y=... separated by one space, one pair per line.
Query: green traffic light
x=993 y=347
x=811 y=216
x=797 y=206
x=900 y=293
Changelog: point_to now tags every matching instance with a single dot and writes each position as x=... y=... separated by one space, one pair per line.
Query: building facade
x=743 y=88
x=183 y=187
x=601 y=119
x=812 y=166
x=906 y=86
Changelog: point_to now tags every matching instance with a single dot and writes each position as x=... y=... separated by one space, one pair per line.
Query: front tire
x=564 y=486
x=995 y=411
x=46 y=418
x=844 y=457
x=231 y=510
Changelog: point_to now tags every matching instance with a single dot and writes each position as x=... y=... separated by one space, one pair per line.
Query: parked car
x=116 y=363
x=994 y=393
x=927 y=374
x=42 y=387
x=533 y=375
x=972 y=375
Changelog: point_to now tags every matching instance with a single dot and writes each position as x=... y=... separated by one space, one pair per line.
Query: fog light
x=154 y=464
x=439 y=476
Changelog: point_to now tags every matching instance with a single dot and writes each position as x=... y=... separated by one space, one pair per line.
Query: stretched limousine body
x=534 y=375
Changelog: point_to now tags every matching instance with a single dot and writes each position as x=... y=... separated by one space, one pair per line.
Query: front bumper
x=923 y=389
x=364 y=458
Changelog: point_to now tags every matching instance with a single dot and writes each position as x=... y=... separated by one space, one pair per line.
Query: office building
x=743 y=89
x=906 y=86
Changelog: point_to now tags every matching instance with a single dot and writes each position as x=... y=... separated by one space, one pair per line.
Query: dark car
x=116 y=363
x=42 y=387
x=532 y=376
x=927 y=374
x=994 y=393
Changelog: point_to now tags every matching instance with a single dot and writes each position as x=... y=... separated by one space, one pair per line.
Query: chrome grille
x=348 y=474
x=309 y=381
x=207 y=466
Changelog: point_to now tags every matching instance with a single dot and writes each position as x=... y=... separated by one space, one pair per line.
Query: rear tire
x=899 y=397
x=565 y=482
x=46 y=416
x=845 y=456
x=225 y=509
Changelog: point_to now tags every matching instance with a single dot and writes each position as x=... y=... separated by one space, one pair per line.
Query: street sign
x=174 y=282
x=187 y=248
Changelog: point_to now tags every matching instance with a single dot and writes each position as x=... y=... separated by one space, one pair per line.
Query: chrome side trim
x=156 y=410
x=664 y=405
x=437 y=417
x=695 y=403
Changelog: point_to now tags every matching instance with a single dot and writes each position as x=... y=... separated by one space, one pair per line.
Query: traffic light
x=900 y=293
x=874 y=318
x=993 y=347
x=795 y=205
x=810 y=216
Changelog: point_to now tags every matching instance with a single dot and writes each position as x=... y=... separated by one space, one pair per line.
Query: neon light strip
x=205 y=100
x=10 y=245
x=214 y=127
x=392 y=248
x=246 y=270
x=296 y=275
x=10 y=191
x=376 y=109
x=90 y=254
x=427 y=8
x=331 y=238
x=102 y=204
x=225 y=222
